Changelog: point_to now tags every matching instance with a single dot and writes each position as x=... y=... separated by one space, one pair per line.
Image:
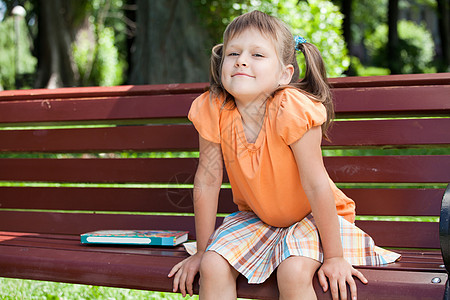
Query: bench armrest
x=444 y=228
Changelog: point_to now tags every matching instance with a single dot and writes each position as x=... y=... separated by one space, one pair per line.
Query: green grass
x=12 y=289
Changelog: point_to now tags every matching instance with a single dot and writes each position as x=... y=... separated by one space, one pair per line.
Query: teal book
x=135 y=237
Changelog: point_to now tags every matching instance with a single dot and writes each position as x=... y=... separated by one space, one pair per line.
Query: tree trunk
x=170 y=44
x=346 y=10
x=444 y=32
x=393 y=40
x=55 y=63
x=130 y=14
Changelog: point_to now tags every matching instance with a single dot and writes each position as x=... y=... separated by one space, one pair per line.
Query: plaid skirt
x=255 y=249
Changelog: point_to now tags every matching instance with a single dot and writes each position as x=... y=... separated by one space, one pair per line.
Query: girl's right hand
x=185 y=272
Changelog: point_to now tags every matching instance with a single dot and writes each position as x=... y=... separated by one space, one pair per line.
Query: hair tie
x=298 y=41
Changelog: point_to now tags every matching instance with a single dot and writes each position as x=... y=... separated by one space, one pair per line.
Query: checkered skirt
x=255 y=249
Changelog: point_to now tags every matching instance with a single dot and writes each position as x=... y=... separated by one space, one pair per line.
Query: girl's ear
x=286 y=75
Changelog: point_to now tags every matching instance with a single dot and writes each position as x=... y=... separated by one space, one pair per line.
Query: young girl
x=267 y=127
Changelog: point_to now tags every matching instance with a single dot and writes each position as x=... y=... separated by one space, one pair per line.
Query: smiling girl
x=267 y=128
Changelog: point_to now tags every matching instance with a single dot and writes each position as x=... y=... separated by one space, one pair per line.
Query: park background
x=66 y=43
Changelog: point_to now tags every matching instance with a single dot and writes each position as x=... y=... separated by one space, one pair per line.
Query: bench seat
x=41 y=256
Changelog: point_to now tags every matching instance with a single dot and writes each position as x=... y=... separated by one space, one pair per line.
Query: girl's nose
x=241 y=62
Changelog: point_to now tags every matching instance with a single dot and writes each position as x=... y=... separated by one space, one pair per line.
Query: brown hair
x=315 y=82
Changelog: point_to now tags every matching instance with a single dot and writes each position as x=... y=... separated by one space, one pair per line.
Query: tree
x=57 y=23
x=100 y=46
x=347 y=29
x=443 y=11
x=171 y=46
x=393 y=41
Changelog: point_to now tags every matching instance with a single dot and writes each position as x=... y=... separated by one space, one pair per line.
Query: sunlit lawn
x=31 y=289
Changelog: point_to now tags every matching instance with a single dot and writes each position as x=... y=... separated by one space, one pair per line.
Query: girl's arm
x=316 y=185
x=207 y=183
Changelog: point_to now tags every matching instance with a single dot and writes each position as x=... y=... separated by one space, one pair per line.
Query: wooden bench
x=110 y=182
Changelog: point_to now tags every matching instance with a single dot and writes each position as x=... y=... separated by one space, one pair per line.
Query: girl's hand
x=339 y=272
x=185 y=272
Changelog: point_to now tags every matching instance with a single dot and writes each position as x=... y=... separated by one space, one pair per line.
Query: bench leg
x=447 y=291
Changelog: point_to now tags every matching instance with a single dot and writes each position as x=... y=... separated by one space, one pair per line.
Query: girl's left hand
x=339 y=272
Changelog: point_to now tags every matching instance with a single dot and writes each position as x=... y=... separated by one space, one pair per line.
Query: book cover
x=135 y=237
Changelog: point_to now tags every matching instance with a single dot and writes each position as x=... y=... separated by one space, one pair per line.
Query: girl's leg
x=217 y=277
x=294 y=276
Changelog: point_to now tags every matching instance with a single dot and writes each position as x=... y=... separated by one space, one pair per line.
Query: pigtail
x=215 y=70
x=315 y=81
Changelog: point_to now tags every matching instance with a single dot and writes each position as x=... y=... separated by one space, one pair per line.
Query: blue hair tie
x=298 y=41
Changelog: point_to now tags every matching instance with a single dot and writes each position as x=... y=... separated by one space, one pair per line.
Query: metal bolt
x=436 y=280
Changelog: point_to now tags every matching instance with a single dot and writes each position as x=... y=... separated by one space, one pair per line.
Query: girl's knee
x=217 y=277
x=297 y=270
x=295 y=276
x=213 y=264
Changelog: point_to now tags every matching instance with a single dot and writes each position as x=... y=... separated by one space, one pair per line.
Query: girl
x=267 y=127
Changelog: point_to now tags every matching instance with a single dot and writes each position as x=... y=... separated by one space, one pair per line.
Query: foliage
x=416 y=47
x=98 y=63
x=362 y=70
x=367 y=16
x=318 y=20
x=8 y=49
x=97 y=47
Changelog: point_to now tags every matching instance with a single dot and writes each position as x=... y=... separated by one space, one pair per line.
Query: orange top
x=263 y=175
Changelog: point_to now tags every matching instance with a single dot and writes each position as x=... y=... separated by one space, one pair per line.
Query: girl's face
x=251 y=67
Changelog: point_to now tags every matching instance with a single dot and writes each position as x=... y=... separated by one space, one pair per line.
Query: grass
x=12 y=289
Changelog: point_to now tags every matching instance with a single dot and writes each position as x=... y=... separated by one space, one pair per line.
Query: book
x=135 y=237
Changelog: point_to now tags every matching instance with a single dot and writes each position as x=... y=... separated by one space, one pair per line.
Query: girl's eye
x=258 y=55
x=233 y=54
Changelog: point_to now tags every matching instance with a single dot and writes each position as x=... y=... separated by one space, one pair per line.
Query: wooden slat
x=358 y=169
x=390 y=132
x=100 y=92
x=396 y=202
x=391 y=80
x=139 y=138
x=165 y=170
x=77 y=223
x=389 y=169
x=385 y=233
x=374 y=100
x=402 y=234
x=111 y=108
x=184 y=137
x=107 y=199
x=383 y=202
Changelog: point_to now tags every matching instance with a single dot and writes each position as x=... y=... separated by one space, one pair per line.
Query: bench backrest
x=81 y=159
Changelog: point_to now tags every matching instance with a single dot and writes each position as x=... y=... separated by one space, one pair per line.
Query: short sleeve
x=297 y=113
x=204 y=114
